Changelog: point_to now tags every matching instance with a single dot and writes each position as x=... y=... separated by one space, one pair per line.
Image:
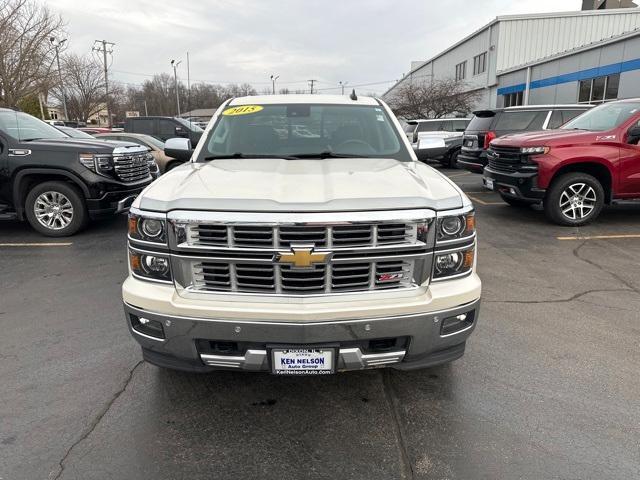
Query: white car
x=301 y=254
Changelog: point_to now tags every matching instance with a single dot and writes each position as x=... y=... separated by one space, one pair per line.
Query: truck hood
x=278 y=185
x=549 y=138
x=78 y=144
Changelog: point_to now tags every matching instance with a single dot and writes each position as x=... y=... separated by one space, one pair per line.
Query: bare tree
x=84 y=87
x=432 y=99
x=26 y=53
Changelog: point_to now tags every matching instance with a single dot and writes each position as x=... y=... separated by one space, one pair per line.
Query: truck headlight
x=452 y=227
x=147 y=229
x=452 y=264
x=149 y=265
x=101 y=164
x=534 y=150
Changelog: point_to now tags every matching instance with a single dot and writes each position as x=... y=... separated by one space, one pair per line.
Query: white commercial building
x=570 y=57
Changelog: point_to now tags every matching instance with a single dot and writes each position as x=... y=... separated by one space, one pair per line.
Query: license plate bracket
x=303 y=359
x=488 y=183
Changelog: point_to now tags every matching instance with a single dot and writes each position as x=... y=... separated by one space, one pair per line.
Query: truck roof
x=304 y=98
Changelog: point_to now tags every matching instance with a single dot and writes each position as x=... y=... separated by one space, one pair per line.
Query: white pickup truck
x=302 y=237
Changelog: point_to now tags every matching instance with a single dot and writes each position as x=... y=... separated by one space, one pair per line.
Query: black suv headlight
x=147 y=228
x=99 y=163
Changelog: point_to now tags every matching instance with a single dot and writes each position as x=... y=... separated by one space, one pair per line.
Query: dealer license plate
x=488 y=182
x=469 y=143
x=303 y=361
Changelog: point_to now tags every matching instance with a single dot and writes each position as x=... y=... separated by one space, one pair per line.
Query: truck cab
x=164 y=128
x=591 y=161
x=303 y=237
x=58 y=183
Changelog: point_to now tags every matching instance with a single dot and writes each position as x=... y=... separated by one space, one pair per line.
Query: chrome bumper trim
x=348 y=359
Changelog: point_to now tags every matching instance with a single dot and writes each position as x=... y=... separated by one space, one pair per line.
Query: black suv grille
x=132 y=167
x=506 y=159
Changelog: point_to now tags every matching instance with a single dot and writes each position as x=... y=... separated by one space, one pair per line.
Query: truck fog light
x=456 y=323
x=147 y=327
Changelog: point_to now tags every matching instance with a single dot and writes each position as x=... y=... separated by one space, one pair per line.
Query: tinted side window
x=166 y=127
x=570 y=114
x=525 y=120
x=556 y=120
x=480 y=123
x=143 y=125
x=460 y=125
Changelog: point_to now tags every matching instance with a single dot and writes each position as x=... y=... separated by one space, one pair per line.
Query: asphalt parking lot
x=548 y=387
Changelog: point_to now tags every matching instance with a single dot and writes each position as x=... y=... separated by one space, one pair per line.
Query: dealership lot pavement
x=548 y=387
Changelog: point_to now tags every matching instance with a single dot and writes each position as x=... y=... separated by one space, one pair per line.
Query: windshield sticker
x=380 y=118
x=242 y=110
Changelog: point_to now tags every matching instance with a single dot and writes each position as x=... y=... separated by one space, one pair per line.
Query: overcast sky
x=233 y=41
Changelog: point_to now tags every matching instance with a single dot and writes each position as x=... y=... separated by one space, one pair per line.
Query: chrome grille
x=339 y=277
x=242 y=252
x=283 y=236
x=132 y=167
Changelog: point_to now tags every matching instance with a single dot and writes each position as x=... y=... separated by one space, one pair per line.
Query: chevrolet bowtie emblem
x=302 y=257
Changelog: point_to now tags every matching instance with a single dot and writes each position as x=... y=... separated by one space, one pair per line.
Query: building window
x=599 y=89
x=461 y=71
x=480 y=63
x=513 y=99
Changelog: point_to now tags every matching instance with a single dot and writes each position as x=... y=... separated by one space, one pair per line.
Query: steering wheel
x=356 y=143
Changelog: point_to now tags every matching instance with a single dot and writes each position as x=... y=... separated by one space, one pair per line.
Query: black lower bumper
x=473 y=162
x=113 y=202
x=520 y=185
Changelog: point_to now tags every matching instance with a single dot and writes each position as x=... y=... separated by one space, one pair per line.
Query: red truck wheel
x=574 y=199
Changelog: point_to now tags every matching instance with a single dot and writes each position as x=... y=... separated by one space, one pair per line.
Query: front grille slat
x=242 y=257
x=131 y=167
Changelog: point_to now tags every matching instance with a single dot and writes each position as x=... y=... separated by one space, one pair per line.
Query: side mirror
x=633 y=135
x=178 y=148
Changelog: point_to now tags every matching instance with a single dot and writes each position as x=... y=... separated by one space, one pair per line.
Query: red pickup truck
x=592 y=160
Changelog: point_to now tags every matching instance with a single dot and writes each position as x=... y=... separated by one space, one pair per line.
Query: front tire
x=452 y=159
x=55 y=209
x=574 y=199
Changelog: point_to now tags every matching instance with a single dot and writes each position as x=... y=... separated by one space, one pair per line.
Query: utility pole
x=311 y=82
x=342 y=84
x=273 y=83
x=188 y=85
x=146 y=112
x=175 y=64
x=104 y=47
x=57 y=44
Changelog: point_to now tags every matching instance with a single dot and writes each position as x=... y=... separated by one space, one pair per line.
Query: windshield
x=24 y=127
x=604 y=117
x=305 y=130
x=192 y=125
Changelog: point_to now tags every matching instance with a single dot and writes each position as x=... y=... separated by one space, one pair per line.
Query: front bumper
x=420 y=341
x=519 y=185
x=473 y=160
x=113 y=202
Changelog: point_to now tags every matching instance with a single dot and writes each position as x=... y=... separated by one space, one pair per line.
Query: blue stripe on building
x=574 y=77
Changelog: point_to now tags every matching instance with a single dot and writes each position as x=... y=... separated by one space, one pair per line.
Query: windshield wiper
x=326 y=154
x=244 y=155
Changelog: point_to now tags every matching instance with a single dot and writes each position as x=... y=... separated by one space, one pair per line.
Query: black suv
x=486 y=125
x=164 y=128
x=57 y=183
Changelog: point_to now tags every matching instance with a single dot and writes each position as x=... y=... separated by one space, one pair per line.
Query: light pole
x=273 y=83
x=57 y=44
x=342 y=84
x=175 y=64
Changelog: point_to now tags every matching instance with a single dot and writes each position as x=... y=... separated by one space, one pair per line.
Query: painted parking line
x=482 y=202
x=601 y=237
x=57 y=244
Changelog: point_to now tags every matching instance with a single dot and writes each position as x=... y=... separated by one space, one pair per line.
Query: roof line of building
x=498 y=19
x=583 y=48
